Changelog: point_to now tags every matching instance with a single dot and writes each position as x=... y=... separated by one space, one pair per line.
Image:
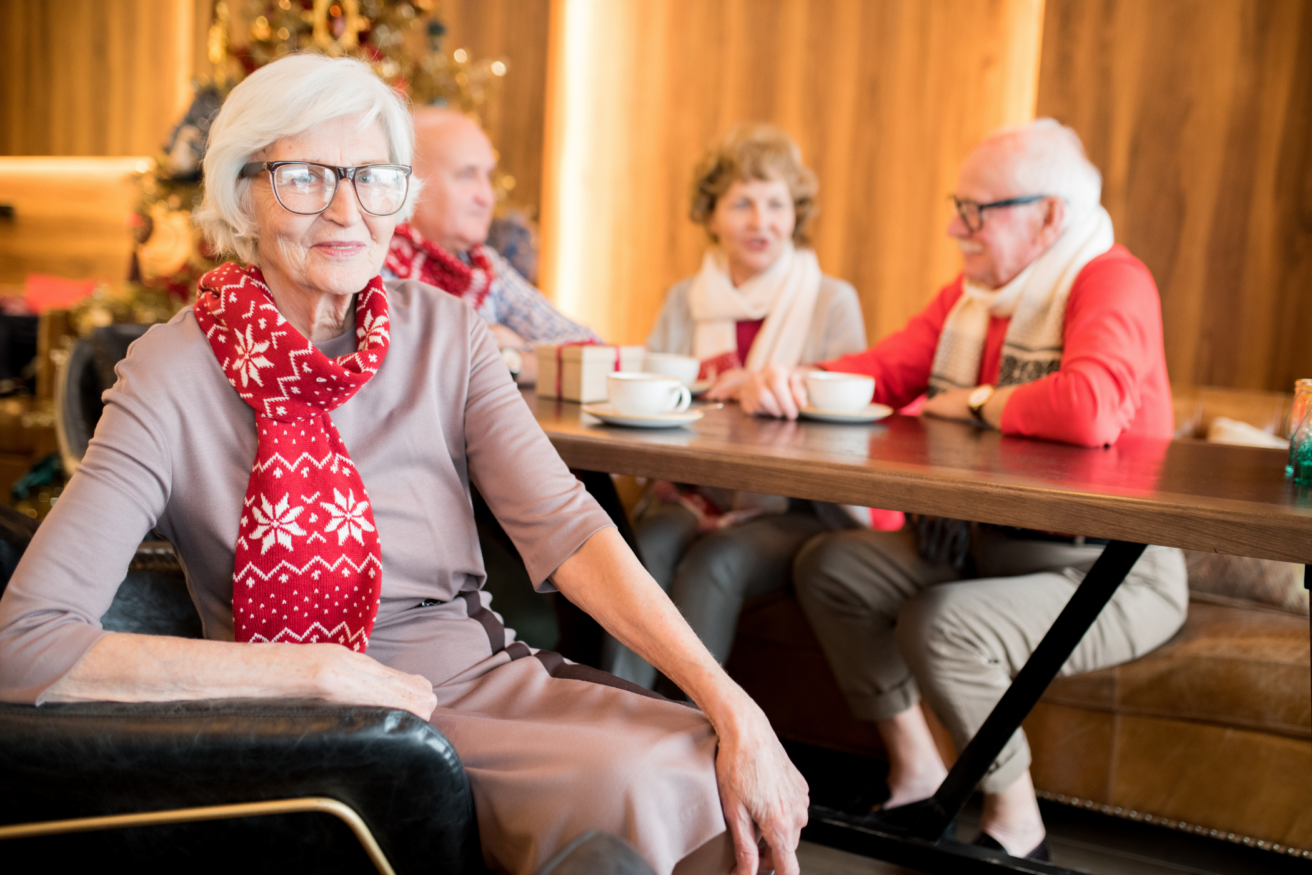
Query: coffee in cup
x=683 y=368
x=839 y=393
x=635 y=393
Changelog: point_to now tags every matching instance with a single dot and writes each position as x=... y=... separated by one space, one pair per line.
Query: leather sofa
x=1211 y=733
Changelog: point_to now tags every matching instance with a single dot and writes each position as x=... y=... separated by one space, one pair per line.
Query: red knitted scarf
x=308 y=566
x=411 y=257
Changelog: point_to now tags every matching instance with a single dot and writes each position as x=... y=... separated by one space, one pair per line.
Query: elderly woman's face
x=339 y=250
x=753 y=222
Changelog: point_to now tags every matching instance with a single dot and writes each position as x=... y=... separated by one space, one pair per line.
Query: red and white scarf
x=308 y=565
x=411 y=257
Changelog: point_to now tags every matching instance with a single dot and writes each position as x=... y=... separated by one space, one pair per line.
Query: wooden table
x=1186 y=494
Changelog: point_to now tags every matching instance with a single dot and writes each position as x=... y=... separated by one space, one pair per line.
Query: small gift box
x=577 y=371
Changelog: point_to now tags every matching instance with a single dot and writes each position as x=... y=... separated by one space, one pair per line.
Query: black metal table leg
x=1092 y=595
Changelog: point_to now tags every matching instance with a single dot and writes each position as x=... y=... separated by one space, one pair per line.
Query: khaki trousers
x=895 y=626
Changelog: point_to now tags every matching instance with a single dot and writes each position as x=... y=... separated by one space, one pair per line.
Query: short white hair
x=1048 y=158
x=289 y=97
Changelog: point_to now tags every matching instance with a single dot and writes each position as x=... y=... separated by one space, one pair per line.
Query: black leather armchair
x=208 y=786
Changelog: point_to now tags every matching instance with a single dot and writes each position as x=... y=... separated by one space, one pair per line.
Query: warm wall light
x=565 y=217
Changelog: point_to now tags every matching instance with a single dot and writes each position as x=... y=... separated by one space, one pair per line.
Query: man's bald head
x=455 y=160
x=1042 y=157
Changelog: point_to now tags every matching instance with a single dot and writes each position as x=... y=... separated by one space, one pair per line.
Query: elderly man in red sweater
x=1052 y=331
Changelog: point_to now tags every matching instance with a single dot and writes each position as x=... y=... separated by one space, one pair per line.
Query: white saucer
x=609 y=415
x=869 y=413
x=700 y=387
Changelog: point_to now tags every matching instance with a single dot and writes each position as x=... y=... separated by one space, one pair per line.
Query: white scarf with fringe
x=1035 y=301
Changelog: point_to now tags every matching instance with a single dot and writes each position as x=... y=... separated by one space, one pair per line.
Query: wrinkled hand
x=728 y=384
x=774 y=391
x=349 y=678
x=760 y=788
x=951 y=404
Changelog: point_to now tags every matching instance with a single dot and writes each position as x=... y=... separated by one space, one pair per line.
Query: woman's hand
x=349 y=678
x=759 y=787
x=758 y=784
x=727 y=384
x=774 y=391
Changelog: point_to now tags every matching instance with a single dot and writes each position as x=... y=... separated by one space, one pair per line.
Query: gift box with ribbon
x=577 y=371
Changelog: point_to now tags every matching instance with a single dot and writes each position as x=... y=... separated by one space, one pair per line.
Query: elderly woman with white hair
x=306 y=436
x=1053 y=332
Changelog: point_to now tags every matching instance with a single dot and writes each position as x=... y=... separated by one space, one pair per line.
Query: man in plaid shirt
x=443 y=244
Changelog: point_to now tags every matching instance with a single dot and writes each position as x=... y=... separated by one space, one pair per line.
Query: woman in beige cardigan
x=759 y=299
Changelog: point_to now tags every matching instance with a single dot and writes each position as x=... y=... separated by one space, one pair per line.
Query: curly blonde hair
x=749 y=152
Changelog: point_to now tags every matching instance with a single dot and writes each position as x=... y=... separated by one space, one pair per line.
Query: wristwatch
x=514 y=361
x=978 y=399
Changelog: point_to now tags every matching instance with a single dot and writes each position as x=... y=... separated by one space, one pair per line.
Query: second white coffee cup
x=839 y=393
x=642 y=394
x=684 y=368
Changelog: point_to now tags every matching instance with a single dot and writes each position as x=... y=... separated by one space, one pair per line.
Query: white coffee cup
x=683 y=368
x=634 y=393
x=839 y=393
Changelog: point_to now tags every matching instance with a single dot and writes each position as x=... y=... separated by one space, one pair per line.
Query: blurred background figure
x=443 y=244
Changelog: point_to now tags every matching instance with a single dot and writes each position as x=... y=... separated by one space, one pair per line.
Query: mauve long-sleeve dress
x=550 y=752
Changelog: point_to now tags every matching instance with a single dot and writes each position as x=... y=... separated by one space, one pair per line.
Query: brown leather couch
x=1211 y=732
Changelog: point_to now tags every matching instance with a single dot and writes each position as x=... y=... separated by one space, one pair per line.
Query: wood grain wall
x=885 y=98
x=87 y=77
x=515 y=114
x=1199 y=113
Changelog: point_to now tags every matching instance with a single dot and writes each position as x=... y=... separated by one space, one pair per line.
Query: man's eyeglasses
x=972 y=212
x=307 y=188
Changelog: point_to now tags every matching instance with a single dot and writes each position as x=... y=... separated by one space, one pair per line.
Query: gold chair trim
x=319 y=804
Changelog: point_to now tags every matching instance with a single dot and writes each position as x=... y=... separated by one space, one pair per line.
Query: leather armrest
x=398 y=772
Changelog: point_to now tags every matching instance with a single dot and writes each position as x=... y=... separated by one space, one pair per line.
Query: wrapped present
x=577 y=371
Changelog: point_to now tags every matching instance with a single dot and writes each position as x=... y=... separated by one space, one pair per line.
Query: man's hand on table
x=774 y=391
x=759 y=788
x=955 y=404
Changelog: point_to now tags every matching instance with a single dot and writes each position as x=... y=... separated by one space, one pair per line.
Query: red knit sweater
x=1112 y=380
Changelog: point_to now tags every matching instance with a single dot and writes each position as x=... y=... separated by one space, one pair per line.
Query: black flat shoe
x=1041 y=854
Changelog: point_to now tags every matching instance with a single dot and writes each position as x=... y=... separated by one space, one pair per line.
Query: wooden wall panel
x=885 y=98
x=82 y=77
x=515 y=113
x=1199 y=113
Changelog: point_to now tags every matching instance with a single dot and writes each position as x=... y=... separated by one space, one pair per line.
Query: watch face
x=980 y=396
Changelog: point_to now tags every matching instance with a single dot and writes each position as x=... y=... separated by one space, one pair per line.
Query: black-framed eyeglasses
x=972 y=212
x=307 y=188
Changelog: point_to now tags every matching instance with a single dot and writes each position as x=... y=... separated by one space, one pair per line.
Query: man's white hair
x=289 y=97
x=1048 y=158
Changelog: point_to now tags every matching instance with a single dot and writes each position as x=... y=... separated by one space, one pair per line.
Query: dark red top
x=747 y=332
x=1112 y=381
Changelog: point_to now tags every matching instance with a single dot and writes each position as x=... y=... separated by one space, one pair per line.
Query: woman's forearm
x=607 y=581
x=123 y=667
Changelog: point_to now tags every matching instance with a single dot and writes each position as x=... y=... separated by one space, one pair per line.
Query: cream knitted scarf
x=1035 y=301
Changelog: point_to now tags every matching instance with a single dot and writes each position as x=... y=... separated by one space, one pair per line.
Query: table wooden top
x=1179 y=493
